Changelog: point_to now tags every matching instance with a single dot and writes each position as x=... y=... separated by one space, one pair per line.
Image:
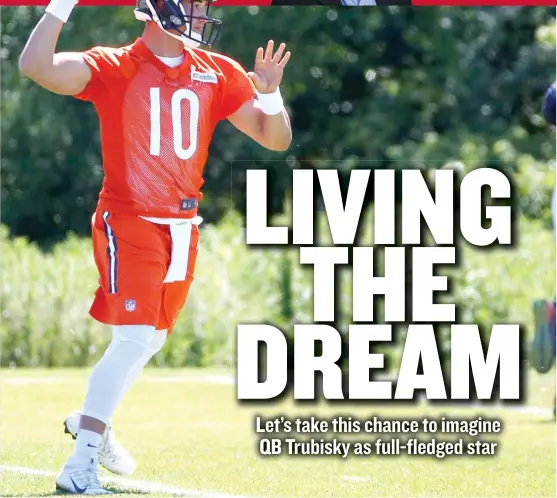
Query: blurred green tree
x=392 y=87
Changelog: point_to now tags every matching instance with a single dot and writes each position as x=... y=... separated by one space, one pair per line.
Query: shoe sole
x=68 y=492
x=64 y=490
x=67 y=431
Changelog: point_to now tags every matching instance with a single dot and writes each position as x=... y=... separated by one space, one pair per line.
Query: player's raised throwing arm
x=265 y=120
x=65 y=73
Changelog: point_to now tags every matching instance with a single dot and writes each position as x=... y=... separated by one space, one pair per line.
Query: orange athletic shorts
x=133 y=256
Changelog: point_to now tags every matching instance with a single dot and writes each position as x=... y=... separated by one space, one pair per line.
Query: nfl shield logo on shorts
x=130 y=305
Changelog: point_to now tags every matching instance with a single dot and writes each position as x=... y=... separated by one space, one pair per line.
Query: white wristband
x=271 y=103
x=61 y=8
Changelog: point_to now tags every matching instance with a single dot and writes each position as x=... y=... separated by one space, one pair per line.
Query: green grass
x=190 y=433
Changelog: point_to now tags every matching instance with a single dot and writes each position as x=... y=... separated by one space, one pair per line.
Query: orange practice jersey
x=157 y=123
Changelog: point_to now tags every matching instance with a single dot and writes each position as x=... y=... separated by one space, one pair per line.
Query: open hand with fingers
x=268 y=70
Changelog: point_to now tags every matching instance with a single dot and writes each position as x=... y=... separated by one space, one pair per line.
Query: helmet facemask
x=178 y=21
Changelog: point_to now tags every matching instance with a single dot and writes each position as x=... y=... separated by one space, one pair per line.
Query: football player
x=159 y=101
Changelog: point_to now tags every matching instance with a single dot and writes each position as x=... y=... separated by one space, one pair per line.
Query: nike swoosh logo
x=77 y=488
x=91 y=446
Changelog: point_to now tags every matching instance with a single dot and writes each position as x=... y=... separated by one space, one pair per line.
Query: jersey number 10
x=176 y=112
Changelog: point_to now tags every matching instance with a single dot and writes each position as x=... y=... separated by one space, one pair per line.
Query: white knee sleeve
x=130 y=346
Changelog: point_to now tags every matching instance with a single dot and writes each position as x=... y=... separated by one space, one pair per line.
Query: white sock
x=87 y=447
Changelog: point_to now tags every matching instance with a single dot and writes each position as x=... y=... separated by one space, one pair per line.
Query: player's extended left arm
x=265 y=120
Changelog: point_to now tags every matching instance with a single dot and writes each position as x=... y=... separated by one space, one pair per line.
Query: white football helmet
x=178 y=19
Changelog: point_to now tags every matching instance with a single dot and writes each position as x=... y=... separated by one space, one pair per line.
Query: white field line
x=230 y=380
x=356 y=478
x=200 y=379
x=141 y=486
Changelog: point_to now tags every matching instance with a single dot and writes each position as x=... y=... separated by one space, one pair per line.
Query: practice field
x=191 y=438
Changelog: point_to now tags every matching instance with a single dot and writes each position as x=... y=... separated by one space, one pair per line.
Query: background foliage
x=383 y=88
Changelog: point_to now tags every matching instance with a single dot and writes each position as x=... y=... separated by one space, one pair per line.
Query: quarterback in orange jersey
x=158 y=100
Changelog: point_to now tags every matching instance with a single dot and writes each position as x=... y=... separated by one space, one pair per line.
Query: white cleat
x=112 y=455
x=80 y=479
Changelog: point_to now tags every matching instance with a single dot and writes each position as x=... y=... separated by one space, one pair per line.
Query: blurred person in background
x=159 y=101
x=542 y=352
